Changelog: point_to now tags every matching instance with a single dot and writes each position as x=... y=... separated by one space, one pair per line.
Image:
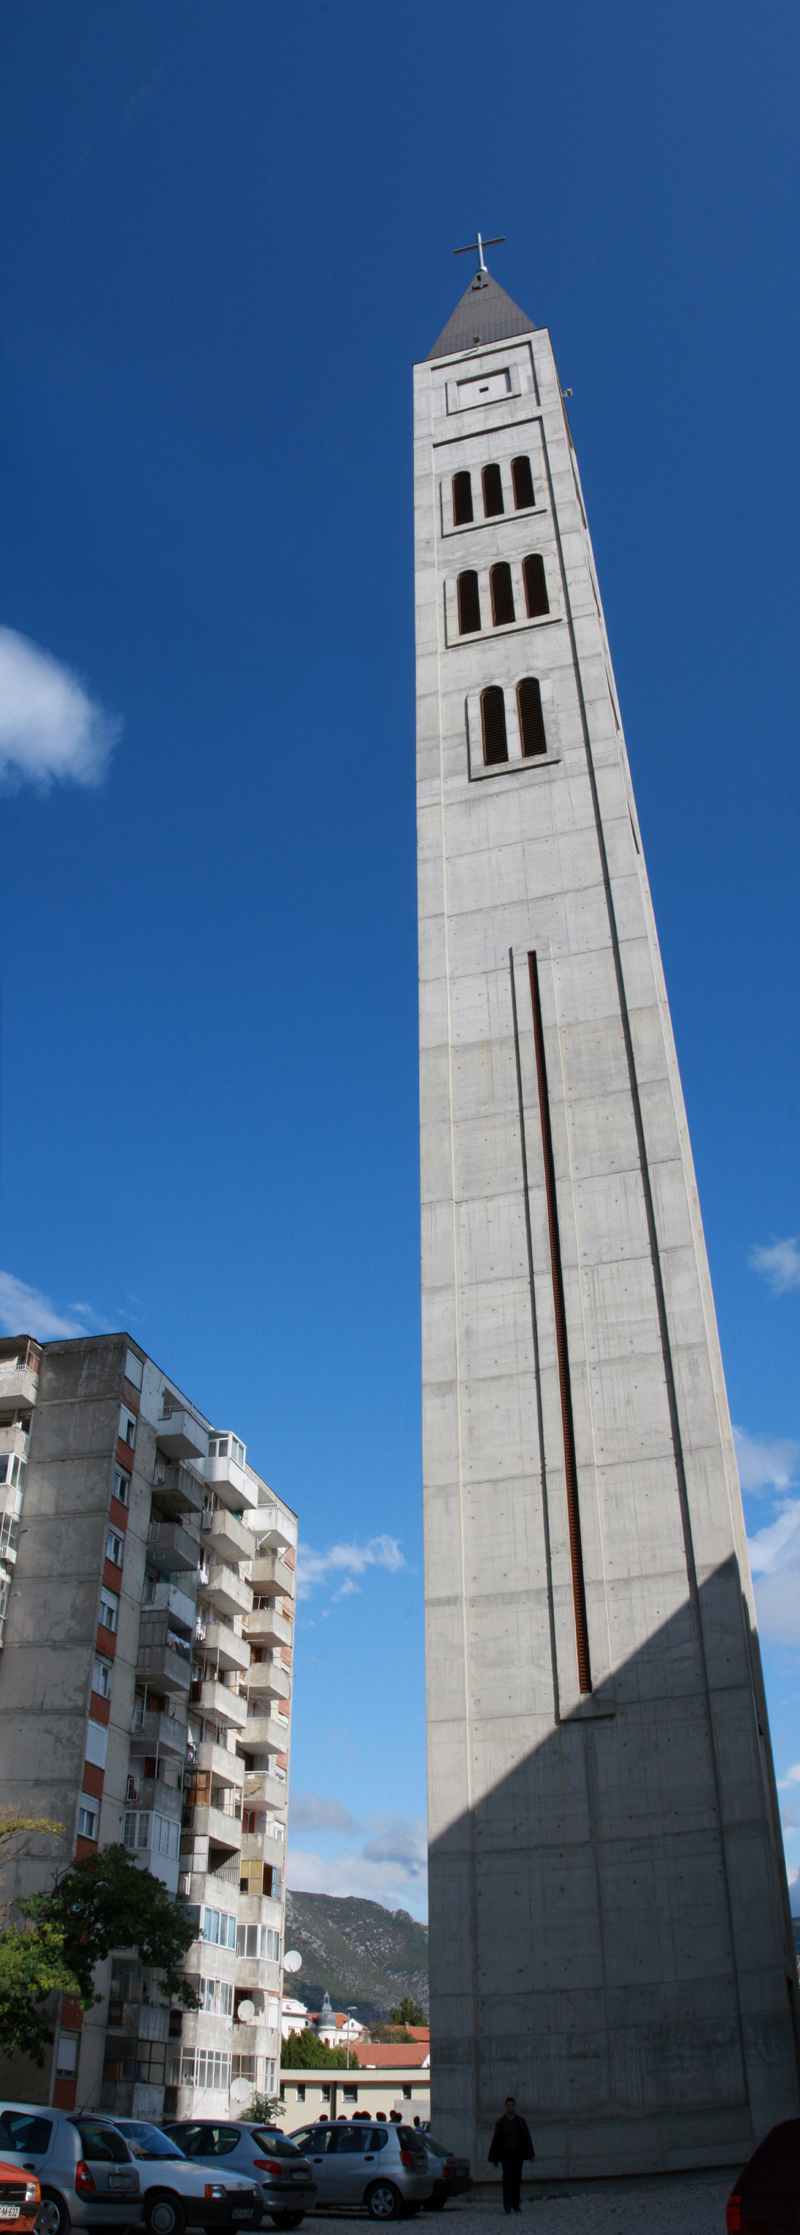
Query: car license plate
x=9 y=2211
x=118 y=2180
x=242 y=2211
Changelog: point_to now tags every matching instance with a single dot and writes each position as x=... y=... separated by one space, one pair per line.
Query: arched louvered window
x=493 y=723
x=492 y=491
x=469 y=604
x=535 y=586
x=531 y=723
x=462 y=499
x=522 y=482
x=502 y=595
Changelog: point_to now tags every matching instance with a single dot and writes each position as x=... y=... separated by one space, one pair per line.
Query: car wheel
x=164 y=2214
x=286 y=2219
x=383 y=2201
x=53 y=2217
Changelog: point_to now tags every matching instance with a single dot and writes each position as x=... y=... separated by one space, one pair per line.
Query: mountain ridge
x=366 y=1956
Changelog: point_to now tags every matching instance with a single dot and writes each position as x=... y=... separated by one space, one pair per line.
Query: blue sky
x=227 y=234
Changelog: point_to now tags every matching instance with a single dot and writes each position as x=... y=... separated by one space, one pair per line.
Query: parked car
x=20 y=2197
x=360 y=2162
x=85 y=2171
x=451 y=2175
x=175 y=2190
x=767 y=2193
x=261 y=2154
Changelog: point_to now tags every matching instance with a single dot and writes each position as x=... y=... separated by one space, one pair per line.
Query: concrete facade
x=145 y=1698
x=609 y=1928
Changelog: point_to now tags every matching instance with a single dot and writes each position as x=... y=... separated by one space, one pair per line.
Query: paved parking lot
x=672 y=2207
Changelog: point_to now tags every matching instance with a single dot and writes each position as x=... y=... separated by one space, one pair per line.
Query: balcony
x=270 y=1573
x=224 y=1590
x=268 y=1731
x=221 y=1644
x=164 y=1658
x=151 y=1792
x=176 y=1491
x=19 y=1384
x=265 y=1788
x=214 y=1824
x=257 y=1971
x=155 y=1733
x=180 y=1435
x=233 y=1487
x=265 y=1626
x=226 y=1537
x=219 y=1701
x=171 y=1548
x=14 y=1444
x=222 y=1767
x=165 y=1598
x=270 y=1530
x=271 y=1679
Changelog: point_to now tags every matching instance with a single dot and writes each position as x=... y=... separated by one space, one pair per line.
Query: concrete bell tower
x=610 y=1931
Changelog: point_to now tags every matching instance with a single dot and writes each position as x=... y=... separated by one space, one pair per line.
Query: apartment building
x=147 y=1579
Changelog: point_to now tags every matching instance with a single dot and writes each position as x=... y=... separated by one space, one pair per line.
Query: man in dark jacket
x=511 y=2144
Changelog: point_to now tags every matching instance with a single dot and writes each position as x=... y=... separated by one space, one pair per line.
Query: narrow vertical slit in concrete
x=565 y=1388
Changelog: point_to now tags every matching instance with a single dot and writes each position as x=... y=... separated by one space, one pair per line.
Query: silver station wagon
x=85 y=2170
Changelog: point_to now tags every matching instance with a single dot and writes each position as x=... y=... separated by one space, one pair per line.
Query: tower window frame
x=494 y=727
x=530 y=715
x=461 y=492
x=469 y=602
x=492 y=491
x=522 y=482
x=501 y=588
x=534 y=582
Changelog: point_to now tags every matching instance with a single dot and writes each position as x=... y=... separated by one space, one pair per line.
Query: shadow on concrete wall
x=609 y=1925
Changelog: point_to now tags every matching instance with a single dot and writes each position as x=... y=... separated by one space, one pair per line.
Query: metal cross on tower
x=479 y=245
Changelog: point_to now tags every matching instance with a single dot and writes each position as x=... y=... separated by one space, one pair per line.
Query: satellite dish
x=292 y=1961
x=241 y=2091
x=245 y=2014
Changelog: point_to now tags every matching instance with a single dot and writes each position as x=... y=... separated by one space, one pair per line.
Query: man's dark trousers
x=512 y=2183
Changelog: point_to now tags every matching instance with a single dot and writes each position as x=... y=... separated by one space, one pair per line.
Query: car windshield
x=19 y=2130
x=276 y=2144
x=148 y=2141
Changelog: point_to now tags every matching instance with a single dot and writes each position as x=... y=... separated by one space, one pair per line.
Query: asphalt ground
x=669 y=2207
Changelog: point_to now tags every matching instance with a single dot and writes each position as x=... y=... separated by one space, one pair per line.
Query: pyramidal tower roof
x=485 y=313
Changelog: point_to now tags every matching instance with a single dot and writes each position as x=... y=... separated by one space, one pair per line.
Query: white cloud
x=775 y=1562
x=50 y=730
x=345 y=1560
x=780 y=1265
x=792 y=1778
x=391 y=1867
x=764 y=1464
x=313 y=1812
x=25 y=1311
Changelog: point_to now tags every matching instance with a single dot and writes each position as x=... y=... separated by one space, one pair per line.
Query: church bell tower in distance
x=609 y=1932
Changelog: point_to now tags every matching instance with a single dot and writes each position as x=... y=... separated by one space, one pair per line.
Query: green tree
x=304 y=2052
x=107 y=1902
x=32 y=1966
x=265 y=2110
x=407 y=2013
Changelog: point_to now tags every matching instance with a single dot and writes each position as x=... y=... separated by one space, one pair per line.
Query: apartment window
x=127 y=1426
x=87 y=1823
x=462 y=499
x=151 y=1831
x=109 y=1609
x=492 y=491
x=301 y=2094
x=102 y=1676
x=522 y=482
x=219 y=1928
x=406 y=2095
x=133 y=1369
x=258 y=1940
x=502 y=595
x=216 y=1997
x=536 y=597
x=115 y=1547
x=67 y=2056
x=122 y=1483
x=206 y=2068
x=493 y=724
x=350 y=2095
x=531 y=720
x=469 y=604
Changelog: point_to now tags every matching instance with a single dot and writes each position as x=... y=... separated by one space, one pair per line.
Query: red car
x=767 y=2194
x=20 y=2197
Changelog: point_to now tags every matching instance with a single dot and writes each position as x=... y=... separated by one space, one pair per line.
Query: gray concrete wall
x=639 y=1986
